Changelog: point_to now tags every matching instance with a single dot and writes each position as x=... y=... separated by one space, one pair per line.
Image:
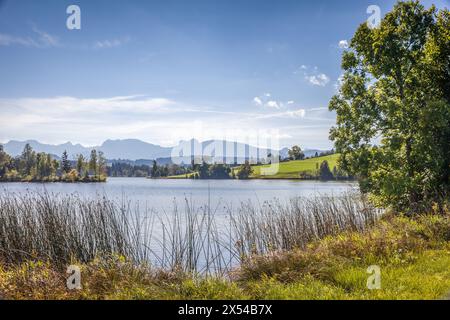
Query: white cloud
x=59 y=106
x=320 y=79
x=313 y=76
x=343 y=44
x=300 y=113
x=8 y=40
x=46 y=39
x=90 y=121
x=106 y=44
x=42 y=39
x=272 y=104
x=257 y=101
x=266 y=101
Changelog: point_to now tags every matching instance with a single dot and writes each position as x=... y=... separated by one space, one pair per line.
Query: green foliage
x=155 y=170
x=93 y=164
x=325 y=172
x=245 y=171
x=41 y=167
x=395 y=91
x=296 y=153
x=203 y=171
x=5 y=162
x=301 y=169
x=219 y=171
x=65 y=163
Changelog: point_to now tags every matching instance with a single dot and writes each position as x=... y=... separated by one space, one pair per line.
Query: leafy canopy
x=393 y=107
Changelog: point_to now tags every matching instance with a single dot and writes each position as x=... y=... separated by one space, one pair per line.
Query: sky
x=165 y=71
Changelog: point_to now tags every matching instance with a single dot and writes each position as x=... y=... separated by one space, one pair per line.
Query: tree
x=296 y=153
x=51 y=165
x=393 y=108
x=44 y=165
x=245 y=171
x=93 y=162
x=27 y=161
x=101 y=165
x=219 y=171
x=204 y=171
x=65 y=163
x=80 y=164
x=155 y=170
x=325 y=172
x=5 y=160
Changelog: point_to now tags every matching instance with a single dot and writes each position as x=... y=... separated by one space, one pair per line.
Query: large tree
x=27 y=161
x=65 y=163
x=296 y=153
x=5 y=160
x=393 y=107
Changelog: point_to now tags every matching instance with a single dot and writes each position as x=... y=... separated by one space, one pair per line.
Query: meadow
x=287 y=170
x=292 y=169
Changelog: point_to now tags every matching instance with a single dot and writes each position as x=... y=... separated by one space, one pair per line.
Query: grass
x=315 y=249
x=287 y=170
x=413 y=254
x=292 y=169
x=60 y=229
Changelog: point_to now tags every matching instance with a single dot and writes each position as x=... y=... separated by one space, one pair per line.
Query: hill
x=287 y=170
x=292 y=169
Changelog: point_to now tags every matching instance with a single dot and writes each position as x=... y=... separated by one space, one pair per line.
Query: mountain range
x=133 y=149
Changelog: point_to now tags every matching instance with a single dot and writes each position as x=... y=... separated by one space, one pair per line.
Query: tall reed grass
x=275 y=226
x=67 y=228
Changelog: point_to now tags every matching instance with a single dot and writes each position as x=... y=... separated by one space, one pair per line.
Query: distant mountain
x=308 y=152
x=133 y=149
x=137 y=150
x=130 y=149
x=15 y=148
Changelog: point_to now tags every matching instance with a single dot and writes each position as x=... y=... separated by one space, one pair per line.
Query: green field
x=286 y=170
x=291 y=169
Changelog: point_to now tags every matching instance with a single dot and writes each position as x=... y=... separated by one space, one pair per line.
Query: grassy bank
x=293 y=169
x=286 y=170
x=414 y=257
x=314 y=249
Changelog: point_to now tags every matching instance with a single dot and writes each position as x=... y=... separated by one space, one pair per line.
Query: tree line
x=33 y=166
x=325 y=173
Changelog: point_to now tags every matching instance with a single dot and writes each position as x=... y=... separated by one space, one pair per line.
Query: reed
x=275 y=226
x=65 y=228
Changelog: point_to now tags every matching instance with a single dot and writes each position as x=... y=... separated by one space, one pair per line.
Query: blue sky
x=163 y=71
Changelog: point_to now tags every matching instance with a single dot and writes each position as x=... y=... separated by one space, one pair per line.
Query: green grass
x=286 y=170
x=413 y=254
x=291 y=169
x=427 y=278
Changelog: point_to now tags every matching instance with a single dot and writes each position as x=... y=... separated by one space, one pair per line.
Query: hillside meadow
x=286 y=170
x=292 y=169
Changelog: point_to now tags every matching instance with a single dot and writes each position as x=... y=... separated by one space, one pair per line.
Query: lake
x=155 y=201
x=161 y=194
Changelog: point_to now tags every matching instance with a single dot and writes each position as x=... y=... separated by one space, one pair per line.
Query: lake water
x=156 y=200
x=161 y=195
